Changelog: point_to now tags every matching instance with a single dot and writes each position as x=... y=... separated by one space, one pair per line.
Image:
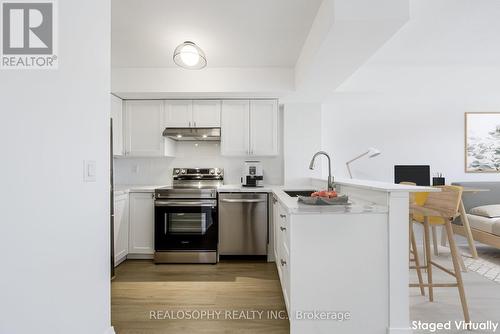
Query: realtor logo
x=28 y=35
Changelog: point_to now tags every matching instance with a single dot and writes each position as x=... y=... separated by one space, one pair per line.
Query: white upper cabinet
x=249 y=128
x=235 y=134
x=192 y=113
x=144 y=125
x=117 y=117
x=206 y=113
x=263 y=127
x=178 y=113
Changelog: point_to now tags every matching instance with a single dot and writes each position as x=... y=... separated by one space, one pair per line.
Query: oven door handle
x=243 y=200
x=184 y=203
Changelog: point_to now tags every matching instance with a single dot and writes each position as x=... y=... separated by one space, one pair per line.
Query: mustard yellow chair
x=438 y=209
x=420 y=199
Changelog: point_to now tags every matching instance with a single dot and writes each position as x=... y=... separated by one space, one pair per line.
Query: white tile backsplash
x=145 y=171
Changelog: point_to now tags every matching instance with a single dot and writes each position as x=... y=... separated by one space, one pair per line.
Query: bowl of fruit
x=324 y=197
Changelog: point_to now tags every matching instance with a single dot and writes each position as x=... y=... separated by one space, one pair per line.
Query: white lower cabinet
x=275 y=219
x=282 y=252
x=284 y=264
x=121 y=228
x=141 y=239
x=323 y=275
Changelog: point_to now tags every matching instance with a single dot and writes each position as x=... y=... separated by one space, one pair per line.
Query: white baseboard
x=120 y=259
x=111 y=330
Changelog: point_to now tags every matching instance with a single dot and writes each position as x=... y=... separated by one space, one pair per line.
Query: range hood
x=192 y=134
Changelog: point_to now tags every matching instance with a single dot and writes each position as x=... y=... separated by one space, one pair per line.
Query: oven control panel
x=198 y=173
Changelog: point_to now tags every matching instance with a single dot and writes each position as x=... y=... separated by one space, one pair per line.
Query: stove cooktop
x=193 y=183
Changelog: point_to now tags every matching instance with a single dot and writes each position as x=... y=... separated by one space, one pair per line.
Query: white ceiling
x=233 y=33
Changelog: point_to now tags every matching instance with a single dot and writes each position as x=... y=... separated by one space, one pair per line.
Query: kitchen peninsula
x=344 y=269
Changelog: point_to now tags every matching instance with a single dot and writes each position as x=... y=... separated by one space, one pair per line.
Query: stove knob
x=177 y=171
x=218 y=172
x=212 y=171
x=183 y=171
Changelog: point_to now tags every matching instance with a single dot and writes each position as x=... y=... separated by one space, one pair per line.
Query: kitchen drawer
x=283 y=263
x=284 y=230
x=276 y=223
x=284 y=217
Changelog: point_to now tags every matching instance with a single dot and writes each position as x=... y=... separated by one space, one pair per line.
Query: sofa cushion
x=489 y=211
x=488 y=225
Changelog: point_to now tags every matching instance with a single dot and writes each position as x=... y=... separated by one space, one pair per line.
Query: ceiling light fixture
x=189 y=55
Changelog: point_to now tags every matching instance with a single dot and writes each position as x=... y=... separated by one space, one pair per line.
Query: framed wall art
x=482 y=142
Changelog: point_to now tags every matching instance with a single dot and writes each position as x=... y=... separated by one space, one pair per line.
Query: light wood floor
x=141 y=287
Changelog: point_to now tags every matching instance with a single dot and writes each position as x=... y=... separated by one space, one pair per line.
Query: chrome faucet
x=330 y=178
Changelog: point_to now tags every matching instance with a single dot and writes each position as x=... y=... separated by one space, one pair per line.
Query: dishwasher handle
x=227 y=200
x=185 y=203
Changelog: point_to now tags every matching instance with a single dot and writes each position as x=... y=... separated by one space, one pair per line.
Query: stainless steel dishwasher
x=243 y=223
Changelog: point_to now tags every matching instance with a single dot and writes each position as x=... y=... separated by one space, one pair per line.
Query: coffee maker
x=252 y=175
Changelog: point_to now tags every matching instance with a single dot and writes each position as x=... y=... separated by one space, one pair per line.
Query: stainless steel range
x=186 y=217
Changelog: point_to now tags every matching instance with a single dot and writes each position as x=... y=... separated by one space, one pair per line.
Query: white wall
x=158 y=171
x=409 y=100
x=344 y=34
x=302 y=138
x=210 y=82
x=55 y=228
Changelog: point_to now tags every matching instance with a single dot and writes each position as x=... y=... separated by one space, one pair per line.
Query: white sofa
x=485 y=224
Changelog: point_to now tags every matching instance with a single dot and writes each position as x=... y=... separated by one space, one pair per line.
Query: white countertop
x=239 y=188
x=127 y=188
x=378 y=185
x=134 y=188
x=293 y=206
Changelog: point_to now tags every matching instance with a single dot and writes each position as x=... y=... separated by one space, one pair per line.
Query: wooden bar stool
x=443 y=205
x=415 y=199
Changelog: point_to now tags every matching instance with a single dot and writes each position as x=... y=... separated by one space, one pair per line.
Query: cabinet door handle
x=283 y=262
x=189 y=123
x=282 y=216
x=282 y=228
x=195 y=124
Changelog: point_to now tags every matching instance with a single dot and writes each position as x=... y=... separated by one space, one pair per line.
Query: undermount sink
x=296 y=193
